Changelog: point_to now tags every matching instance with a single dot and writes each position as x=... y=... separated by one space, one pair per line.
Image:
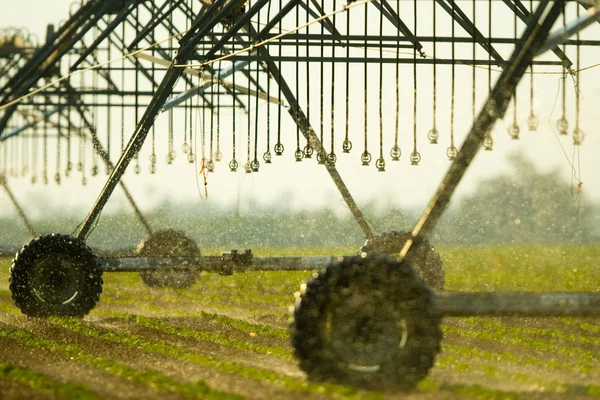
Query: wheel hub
x=363 y=329
x=53 y=280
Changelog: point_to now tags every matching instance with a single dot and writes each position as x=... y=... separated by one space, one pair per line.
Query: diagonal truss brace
x=240 y=23
x=309 y=134
x=72 y=31
x=101 y=151
x=495 y=107
x=161 y=16
x=391 y=15
x=105 y=33
x=326 y=23
x=521 y=11
x=459 y=16
x=206 y=20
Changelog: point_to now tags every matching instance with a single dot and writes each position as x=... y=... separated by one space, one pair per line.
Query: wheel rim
x=55 y=280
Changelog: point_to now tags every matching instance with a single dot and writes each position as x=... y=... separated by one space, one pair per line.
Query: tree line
x=520 y=207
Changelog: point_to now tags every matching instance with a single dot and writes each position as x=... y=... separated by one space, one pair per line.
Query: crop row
x=537 y=344
x=220 y=364
x=551 y=333
x=454 y=357
x=44 y=384
x=149 y=377
x=176 y=352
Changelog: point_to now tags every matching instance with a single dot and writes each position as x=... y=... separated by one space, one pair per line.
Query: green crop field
x=227 y=337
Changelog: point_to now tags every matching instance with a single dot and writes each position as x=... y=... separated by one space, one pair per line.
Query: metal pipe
x=381 y=60
x=517 y=304
x=214 y=263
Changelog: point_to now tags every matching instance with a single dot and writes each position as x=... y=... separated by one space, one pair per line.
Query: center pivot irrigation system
x=276 y=70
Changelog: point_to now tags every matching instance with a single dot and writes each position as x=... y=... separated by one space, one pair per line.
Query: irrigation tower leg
x=495 y=107
x=208 y=17
x=104 y=156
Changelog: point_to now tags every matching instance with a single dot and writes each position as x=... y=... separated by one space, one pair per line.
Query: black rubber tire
x=56 y=275
x=426 y=260
x=168 y=243
x=368 y=322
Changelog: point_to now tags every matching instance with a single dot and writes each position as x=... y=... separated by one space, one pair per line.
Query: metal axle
x=518 y=304
x=214 y=263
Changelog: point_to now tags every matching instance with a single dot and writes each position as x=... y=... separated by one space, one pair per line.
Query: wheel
x=168 y=243
x=55 y=275
x=367 y=322
x=427 y=261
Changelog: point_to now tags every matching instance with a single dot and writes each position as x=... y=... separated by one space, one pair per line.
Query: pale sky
x=308 y=182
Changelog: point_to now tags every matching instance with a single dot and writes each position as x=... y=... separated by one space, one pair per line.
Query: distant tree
x=524 y=206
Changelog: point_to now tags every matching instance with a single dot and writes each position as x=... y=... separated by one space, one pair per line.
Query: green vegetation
x=529 y=343
x=160 y=300
x=248 y=313
x=480 y=392
x=548 y=333
x=44 y=384
x=170 y=329
x=468 y=391
x=456 y=358
x=246 y=326
x=586 y=326
x=534 y=267
x=465 y=352
x=219 y=364
x=149 y=377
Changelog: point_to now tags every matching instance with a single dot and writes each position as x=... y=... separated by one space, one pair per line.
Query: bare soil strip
x=174 y=369
x=236 y=346
x=249 y=358
x=64 y=370
x=13 y=390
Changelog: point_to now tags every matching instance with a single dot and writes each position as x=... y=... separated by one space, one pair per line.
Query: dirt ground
x=142 y=343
